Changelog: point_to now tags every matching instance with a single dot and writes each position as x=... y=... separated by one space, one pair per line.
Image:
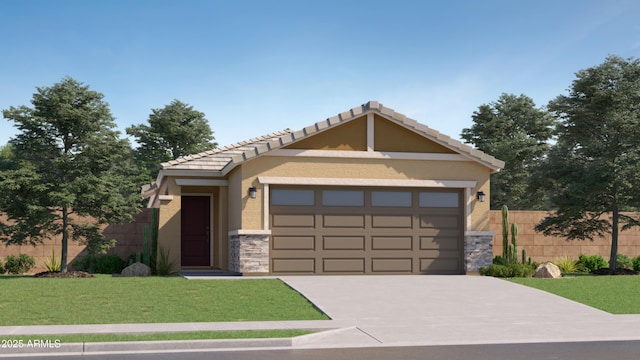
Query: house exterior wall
x=237 y=198
x=359 y=168
x=169 y=222
x=169 y=234
x=221 y=252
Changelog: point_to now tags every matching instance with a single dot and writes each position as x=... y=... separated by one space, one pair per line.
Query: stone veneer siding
x=249 y=253
x=478 y=250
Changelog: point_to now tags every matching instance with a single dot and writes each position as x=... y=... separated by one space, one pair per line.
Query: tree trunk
x=65 y=239
x=613 y=260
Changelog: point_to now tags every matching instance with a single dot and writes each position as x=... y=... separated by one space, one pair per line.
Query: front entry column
x=478 y=250
x=249 y=251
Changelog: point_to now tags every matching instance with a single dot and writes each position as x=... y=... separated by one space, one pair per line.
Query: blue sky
x=254 y=67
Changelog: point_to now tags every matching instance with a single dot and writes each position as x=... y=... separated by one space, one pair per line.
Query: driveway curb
x=146 y=346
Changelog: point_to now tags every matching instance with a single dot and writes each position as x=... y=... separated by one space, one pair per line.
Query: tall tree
x=173 y=131
x=593 y=172
x=515 y=131
x=70 y=162
x=6 y=157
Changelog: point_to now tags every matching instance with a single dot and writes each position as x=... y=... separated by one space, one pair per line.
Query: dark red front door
x=196 y=229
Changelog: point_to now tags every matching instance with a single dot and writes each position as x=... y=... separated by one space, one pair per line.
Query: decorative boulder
x=136 y=269
x=548 y=270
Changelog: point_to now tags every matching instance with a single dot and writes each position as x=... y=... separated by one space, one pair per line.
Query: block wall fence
x=539 y=247
x=129 y=237
x=547 y=248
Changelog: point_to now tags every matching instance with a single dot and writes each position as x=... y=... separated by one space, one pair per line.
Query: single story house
x=368 y=191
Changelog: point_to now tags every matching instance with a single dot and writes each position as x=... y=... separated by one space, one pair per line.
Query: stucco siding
x=169 y=222
x=235 y=195
x=221 y=253
x=389 y=136
x=349 y=136
x=362 y=169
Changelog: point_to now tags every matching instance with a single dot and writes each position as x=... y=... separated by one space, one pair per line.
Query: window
x=293 y=197
x=342 y=198
x=391 y=198
x=439 y=199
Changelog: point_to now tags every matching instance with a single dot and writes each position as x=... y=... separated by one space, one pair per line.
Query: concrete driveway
x=439 y=310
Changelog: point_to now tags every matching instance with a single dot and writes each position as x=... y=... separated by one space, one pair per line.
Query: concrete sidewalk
x=394 y=311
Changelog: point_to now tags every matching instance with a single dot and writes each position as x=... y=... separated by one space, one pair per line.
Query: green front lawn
x=613 y=294
x=116 y=300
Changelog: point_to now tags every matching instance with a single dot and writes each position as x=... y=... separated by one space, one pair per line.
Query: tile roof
x=232 y=155
x=218 y=158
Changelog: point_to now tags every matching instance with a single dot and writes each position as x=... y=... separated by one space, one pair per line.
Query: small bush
x=521 y=270
x=508 y=271
x=623 y=262
x=19 y=264
x=635 y=261
x=86 y=263
x=1 y=268
x=495 y=270
x=53 y=263
x=499 y=260
x=109 y=264
x=592 y=262
x=164 y=266
x=102 y=264
x=566 y=265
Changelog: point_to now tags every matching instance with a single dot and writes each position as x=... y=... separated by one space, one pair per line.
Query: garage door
x=337 y=230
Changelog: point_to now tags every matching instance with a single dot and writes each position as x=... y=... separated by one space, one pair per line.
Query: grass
x=194 y=335
x=613 y=294
x=118 y=300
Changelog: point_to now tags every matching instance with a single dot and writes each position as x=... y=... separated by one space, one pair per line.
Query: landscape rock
x=136 y=269
x=548 y=270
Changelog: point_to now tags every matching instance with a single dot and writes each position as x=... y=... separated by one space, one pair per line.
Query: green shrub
x=592 y=262
x=624 y=262
x=635 y=261
x=1 y=268
x=521 y=270
x=100 y=264
x=86 y=263
x=19 y=264
x=499 y=260
x=53 y=263
x=507 y=271
x=109 y=264
x=495 y=270
x=164 y=265
x=566 y=265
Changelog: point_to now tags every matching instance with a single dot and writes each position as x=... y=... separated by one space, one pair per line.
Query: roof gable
x=348 y=136
x=392 y=137
x=224 y=159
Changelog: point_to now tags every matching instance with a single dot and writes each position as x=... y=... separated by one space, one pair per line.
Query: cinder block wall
x=129 y=237
x=547 y=248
